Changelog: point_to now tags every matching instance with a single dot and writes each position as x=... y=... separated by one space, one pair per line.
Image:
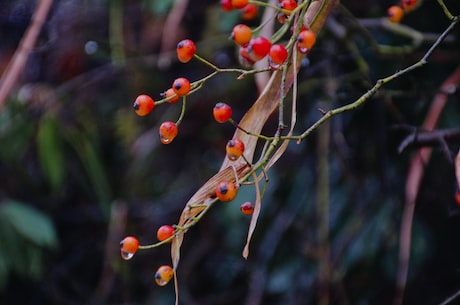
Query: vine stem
x=379 y=84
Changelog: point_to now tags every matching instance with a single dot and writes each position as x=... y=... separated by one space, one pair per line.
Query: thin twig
x=17 y=63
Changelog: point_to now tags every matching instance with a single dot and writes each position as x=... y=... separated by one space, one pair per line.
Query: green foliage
x=27 y=235
x=50 y=151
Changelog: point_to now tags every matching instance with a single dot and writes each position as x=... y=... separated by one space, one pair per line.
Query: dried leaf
x=457 y=168
x=255 y=216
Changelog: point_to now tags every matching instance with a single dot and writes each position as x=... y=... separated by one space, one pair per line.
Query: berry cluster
x=253 y=47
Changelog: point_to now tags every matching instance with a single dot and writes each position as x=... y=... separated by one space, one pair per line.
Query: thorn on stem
x=323 y=112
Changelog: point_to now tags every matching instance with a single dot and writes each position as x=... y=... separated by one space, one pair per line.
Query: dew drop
x=303 y=50
x=165 y=140
x=126 y=255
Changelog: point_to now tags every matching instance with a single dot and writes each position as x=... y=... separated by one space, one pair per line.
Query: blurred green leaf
x=93 y=165
x=29 y=223
x=50 y=152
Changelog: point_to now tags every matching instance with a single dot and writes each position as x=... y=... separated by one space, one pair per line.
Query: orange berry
x=163 y=275
x=247 y=208
x=143 y=105
x=234 y=149
x=172 y=95
x=168 y=131
x=181 y=86
x=129 y=246
x=239 y=4
x=185 y=50
x=241 y=34
x=305 y=41
x=164 y=232
x=226 y=191
x=395 y=13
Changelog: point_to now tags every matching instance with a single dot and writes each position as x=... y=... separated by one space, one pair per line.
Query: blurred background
x=79 y=170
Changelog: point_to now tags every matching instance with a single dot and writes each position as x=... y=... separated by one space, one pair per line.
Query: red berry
x=181 y=86
x=234 y=149
x=241 y=34
x=173 y=98
x=168 y=131
x=222 y=112
x=247 y=208
x=226 y=191
x=164 y=232
x=409 y=5
x=305 y=41
x=143 y=105
x=277 y=55
x=129 y=246
x=288 y=5
x=238 y=4
x=185 y=50
x=395 y=13
x=163 y=275
x=250 y=12
x=226 y=5
x=258 y=48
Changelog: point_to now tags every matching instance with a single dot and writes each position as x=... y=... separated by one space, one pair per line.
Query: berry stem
x=182 y=112
x=206 y=62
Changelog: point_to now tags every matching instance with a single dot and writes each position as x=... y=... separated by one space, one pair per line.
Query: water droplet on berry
x=165 y=140
x=274 y=66
x=303 y=50
x=126 y=255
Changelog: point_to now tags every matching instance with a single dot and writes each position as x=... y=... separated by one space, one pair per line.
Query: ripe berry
x=181 y=86
x=226 y=5
x=250 y=12
x=258 y=48
x=238 y=4
x=277 y=55
x=163 y=275
x=226 y=191
x=305 y=41
x=172 y=95
x=241 y=34
x=129 y=246
x=288 y=5
x=234 y=149
x=164 y=232
x=247 y=208
x=222 y=112
x=395 y=13
x=168 y=131
x=409 y=5
x=185 y=50
x=143 y=105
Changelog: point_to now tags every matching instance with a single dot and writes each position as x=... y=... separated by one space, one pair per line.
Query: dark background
x=79 y=170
